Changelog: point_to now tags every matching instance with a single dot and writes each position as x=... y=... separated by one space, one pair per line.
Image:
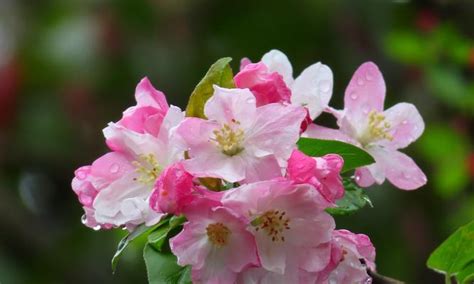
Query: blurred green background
x=69 y=67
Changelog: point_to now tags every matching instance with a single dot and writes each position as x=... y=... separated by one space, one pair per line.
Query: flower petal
x=227 y=105
x=406 y=125
x=321 y=132
x=363 y=177
x=365 y=92
x=147 y=95
x=399 y=169
x=277 y=61
x=275 y=131
x=313 y=88
x=190 y=247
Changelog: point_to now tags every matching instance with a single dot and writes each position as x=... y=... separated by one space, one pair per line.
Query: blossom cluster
x=264 y=220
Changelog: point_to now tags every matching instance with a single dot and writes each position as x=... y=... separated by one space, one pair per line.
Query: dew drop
x=84 y=219
x=354 y=95
x=369 y=76
x=96 y=228
x=366 y=109
x=114 y=168
x=404 y=122
x=360 y=81
x=80 y=174
x=250 y=100
x=325 y=86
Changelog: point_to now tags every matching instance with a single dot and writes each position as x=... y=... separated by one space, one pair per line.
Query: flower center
x=218 y=234
x=148 y=169
x=377 y=129
x=273 y=223
x=229 y=138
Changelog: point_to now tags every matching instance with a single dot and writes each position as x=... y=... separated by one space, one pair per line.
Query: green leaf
x=353 y=200
x=162 y=268
x=454 y=257
x=353 y=156
x=466 y=275
x=219 y=74
x=130 y=237
x=158 y=237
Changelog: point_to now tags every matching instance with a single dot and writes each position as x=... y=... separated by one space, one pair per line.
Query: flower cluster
x=264 y=218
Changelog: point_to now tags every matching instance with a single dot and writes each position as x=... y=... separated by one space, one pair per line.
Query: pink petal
x=110 y=167
x=259 y=169
x=363 y=177
x=218 y=165
x=227 y=105
x=313 y=88
x=244 y=62
x=406 y=125
x=142 y=119
x=267 y=87
x=321 y=132
x=365 y=92
x=399 y=169
x=191 y=245
x=277 y=61
x=147 y=95
x=276 y=131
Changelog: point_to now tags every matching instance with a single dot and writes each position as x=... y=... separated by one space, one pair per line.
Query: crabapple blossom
x=267 y=87
x=321 y=172
x=271 y=80
x=358 y=255
x=364 y=123
x=240 y=141
x=115 y=189
x=215 y=243
x=288 y=222
x=172 y=191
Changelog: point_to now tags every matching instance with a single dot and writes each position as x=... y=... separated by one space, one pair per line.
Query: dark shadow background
x=69 y=67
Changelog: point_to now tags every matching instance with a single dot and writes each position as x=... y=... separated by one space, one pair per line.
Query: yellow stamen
x=148 y=169
x=229 y=139
x=218 y=234
x=377 y=129
x=273 y=223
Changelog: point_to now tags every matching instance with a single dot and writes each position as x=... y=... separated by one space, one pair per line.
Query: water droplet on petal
x=80 y=174
x=354 y=95
x=325 y=86
x=404 y=122
x=366 y=109
x=96 y=228
x=250 y=100
x=360 y=81
x=114 y=168
x=369 y=76
x=84 y=219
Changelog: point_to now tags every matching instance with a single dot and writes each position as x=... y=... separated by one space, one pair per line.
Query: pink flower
x=215 y=243
x=116 y=188
x=267 y=87
x=172 y=191
x=288 y=222
x=364 y=123
x=240 y=141
x=357 y=255
x=321 y=172
x=148 y=114
x=271 y=78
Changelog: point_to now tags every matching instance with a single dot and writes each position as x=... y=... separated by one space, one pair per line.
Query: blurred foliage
x=69 y=67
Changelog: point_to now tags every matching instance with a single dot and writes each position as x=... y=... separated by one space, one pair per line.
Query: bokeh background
x=69 y=67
